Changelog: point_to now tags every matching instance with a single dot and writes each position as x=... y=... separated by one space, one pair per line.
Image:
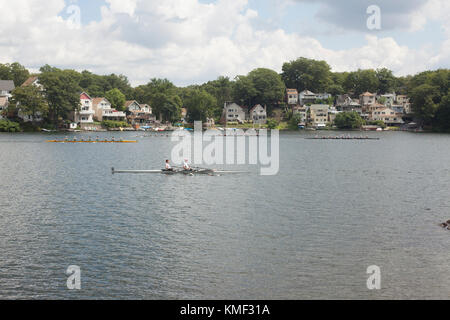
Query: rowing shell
x=172 y=172
x=92 y=141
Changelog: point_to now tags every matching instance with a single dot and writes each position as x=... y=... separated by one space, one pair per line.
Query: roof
x=7 y=85
x=292 y=91
x=367 y=94
x=30 y=81
x=258 y=105
x=96 y=101
x=130 y=102
x=307 y=92
x=86 y=96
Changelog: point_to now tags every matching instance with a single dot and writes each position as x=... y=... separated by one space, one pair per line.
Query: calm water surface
x=310 y=232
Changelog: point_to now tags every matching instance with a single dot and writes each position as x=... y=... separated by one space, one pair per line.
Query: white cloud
x=185 y=41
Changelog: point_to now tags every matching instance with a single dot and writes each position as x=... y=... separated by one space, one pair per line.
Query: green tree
x=62 y=92
x=14 y=71
x=30 y=101
x=200 y=105
x=386 y=80
x=348 y=120
x=360 y=81
x=425 y=101
x=117 y=99
x=303 y=73
x=295 y=120
x=272 y=124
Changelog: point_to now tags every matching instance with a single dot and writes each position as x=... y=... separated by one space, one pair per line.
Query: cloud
x=187 y=41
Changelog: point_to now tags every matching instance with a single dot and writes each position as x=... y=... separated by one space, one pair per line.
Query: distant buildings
x=258 y=114
x=139 y=114
x=103 y=111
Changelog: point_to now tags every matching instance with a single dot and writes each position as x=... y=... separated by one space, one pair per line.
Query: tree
x=386 y=80
x=295 y=120
x=272 y=124
x=244 y=92
x=303 y=73
x=269 y=87
x=360 y=81
x=200 y=105
x=425 y=101
x=30 y=101
x=167 y=106
x=14 y=71
x=117 y=99
x=62 y=92
x=348 y=120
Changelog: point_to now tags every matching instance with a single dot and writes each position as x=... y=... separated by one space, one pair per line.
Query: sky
x=194 y=41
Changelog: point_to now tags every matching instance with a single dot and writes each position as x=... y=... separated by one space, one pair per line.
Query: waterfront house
x=292 y=96
x=233 y=112
x=258 y=114
x=104 y=111
x=86 y=113
x=370 y=109
x=388 y=116
x=307 y=97
x=319 y=115
x=300 y=110
x=367 y=99
x=389 y=98
x=139 y=113
x=6 y=88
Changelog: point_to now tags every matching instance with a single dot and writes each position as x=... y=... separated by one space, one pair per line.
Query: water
x=310 y=232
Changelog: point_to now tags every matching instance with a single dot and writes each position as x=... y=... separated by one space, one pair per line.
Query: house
x=139 y=113
x=258 y=114
x=370 y=109
x=210 y=123
x=6 y=88
x=389 y=98
x=86 y=112
x=104 y=111
x=367 y=99
x=233 y=112
x=29 y=117
x=332 y=113
x=38 y=117
x=346 y=103
x=302 y=111
x=3 y=107
x=323 y=96
x=319 y=115
x=307 y=97
x=388 y=116
x=292 y=96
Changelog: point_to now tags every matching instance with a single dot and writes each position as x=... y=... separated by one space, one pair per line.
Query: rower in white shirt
x=186 y=165
x=168 y=166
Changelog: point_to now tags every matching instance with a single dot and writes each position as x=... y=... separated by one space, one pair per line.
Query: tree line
x=429 y=90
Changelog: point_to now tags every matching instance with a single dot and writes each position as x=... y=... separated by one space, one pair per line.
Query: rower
x=168 y=166
x=186 y=165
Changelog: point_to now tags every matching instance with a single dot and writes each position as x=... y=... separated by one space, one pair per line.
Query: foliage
x=200 y=105
x=117 y=99
x=9 y=126
x=30 y=101
x=110 y=124
x=307 y=74
x=295 y=120
x=272 y=123
x=348 y=120
x=14 y=71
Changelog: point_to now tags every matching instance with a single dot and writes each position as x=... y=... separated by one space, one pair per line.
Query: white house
x=86 y=112
x=31 y=81
x=258 y=114
x=104 y=111
x=307 y=96
x=139 y=113
x=234 y=113
x=6 y=87
x=292 y=96
x=388 y=116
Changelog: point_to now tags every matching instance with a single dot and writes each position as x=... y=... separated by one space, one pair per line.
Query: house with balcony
x=318 y=115
x=104 y=111
x=388 y=116
x=85 y=115
x=139 y=114
x=307 y=97
x=233 y=112
x=292 y=96
x=258 y=114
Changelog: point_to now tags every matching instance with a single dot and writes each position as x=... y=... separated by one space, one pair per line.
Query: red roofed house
x=86 y=112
